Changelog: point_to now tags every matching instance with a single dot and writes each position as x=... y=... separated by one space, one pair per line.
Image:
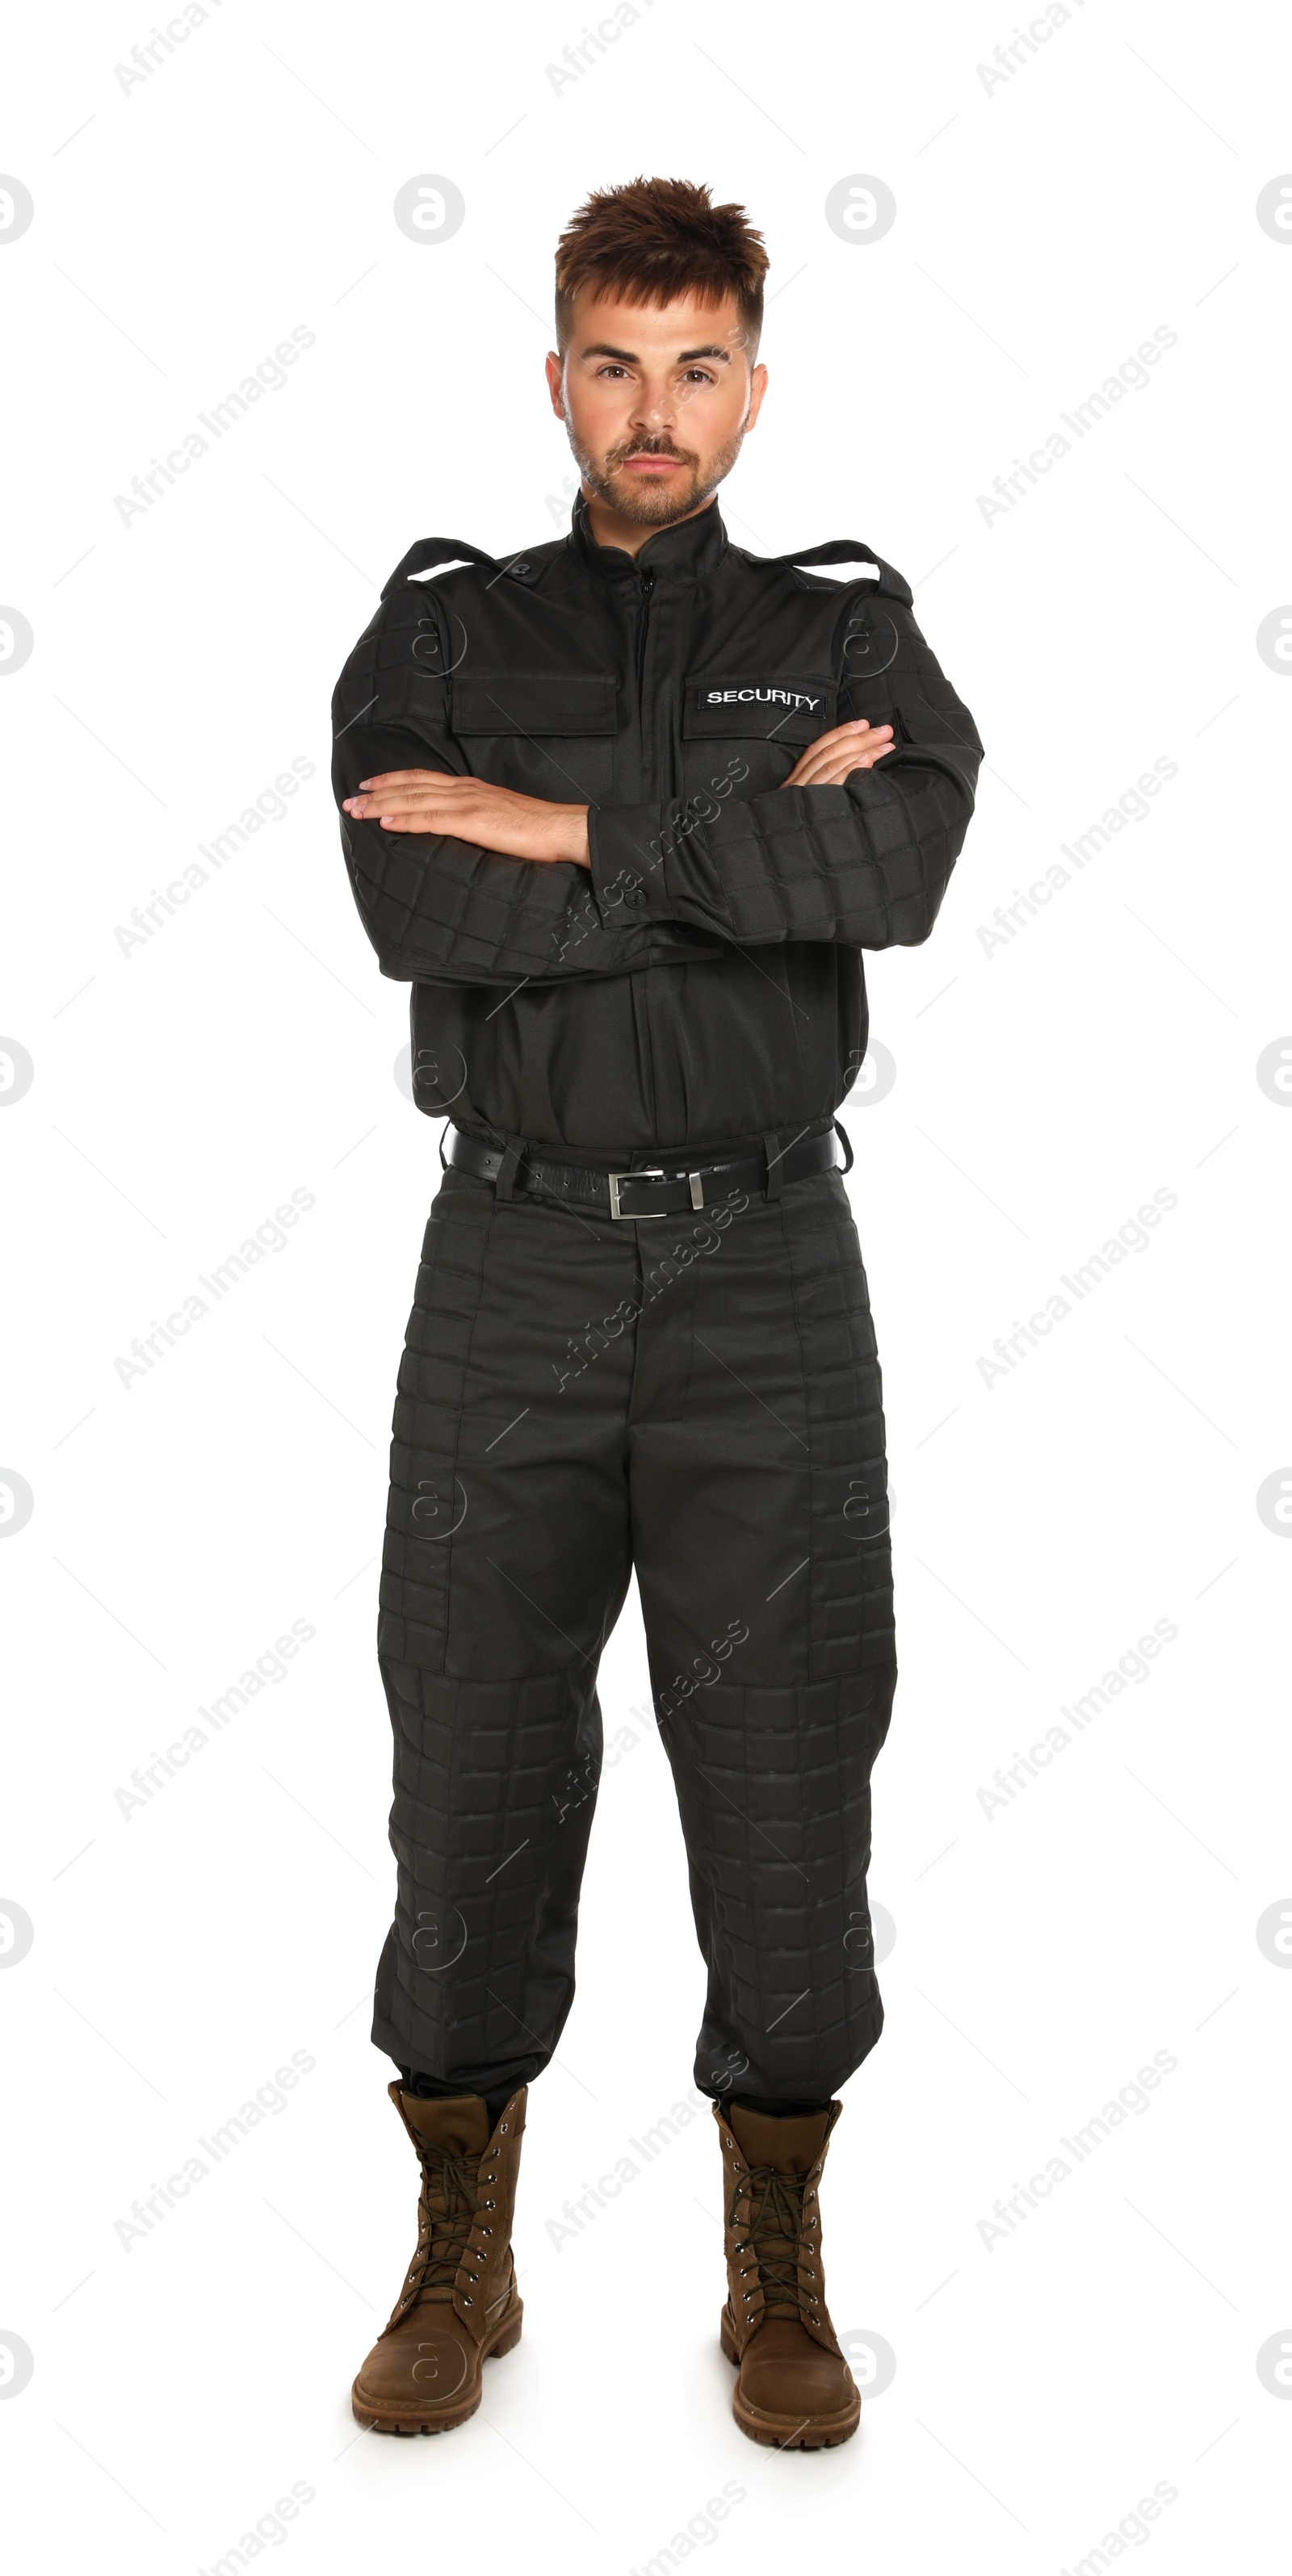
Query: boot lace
x=446 y=2214
x=776 y=2231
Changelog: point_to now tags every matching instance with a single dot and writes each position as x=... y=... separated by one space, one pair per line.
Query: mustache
x=650 y=447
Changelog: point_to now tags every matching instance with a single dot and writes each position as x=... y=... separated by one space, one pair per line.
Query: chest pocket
x=542 y=733
x=750 y=728
x=778 y=707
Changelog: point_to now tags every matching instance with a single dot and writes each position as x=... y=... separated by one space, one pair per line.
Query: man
x=625 y=808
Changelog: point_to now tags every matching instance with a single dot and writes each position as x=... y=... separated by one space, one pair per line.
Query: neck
x=610 y=528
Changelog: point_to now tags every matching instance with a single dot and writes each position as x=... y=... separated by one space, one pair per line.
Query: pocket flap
x=532 y=702
x=789 y=707
x=914 y=720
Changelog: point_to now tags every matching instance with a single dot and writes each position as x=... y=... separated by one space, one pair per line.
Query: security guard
x=624 y=809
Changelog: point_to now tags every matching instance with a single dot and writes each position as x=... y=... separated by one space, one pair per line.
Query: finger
x=412 y=781
x=401 y=777
x=846 y=738
x=839 y=736
x=421 y=818
x=820 y=763
x=391 y=791
x=833 y=772
x=455 y=822
x=846 y=767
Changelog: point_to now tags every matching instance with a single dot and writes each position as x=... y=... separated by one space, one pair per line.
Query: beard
x=649 y=503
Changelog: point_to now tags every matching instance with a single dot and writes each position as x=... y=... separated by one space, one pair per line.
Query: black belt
x=662 y=1191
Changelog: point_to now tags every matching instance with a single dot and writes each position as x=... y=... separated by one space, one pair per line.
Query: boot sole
x=385 y=2419
x=781 y=2432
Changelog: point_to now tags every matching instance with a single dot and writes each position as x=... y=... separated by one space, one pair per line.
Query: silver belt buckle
x=650 y=1216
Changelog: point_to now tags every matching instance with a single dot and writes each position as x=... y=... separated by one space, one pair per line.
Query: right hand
x=499 y=819
x=834 y=755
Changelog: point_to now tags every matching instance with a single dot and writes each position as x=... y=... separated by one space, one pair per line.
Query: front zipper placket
x=646 y=582
x=656 y=651
x=639 y=981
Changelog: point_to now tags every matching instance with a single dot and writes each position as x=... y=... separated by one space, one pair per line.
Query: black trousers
x=698 y=1398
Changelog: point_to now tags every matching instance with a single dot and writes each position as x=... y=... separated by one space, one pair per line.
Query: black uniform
x=590 y=1387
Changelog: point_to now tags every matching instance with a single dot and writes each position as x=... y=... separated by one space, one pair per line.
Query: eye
x=698 y=376
x=610 y=369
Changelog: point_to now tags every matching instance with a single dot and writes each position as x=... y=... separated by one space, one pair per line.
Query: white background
x=1045 y=1089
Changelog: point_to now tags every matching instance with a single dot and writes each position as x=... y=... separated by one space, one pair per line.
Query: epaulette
x=890 y=584
x=432 y=551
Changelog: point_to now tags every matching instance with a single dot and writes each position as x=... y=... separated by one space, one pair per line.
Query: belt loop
x=846 y=1142
x=509 y=1167
x=774 y=1160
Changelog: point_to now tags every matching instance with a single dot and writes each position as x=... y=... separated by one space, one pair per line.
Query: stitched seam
x=787 y=1241
x=457 y=1438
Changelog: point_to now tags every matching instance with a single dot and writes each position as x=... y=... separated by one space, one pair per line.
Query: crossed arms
x=530 y=827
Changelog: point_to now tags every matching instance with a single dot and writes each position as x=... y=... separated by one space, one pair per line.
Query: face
x=656 y=399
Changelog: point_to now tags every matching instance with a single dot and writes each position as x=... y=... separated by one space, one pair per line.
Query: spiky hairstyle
x=655 y=239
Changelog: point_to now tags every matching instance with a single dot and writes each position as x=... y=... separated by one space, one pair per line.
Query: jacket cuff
x=625 y=852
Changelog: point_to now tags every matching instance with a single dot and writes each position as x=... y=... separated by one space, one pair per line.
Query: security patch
x=789 y=706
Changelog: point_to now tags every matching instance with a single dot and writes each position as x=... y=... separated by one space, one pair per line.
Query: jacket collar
x=687 y=552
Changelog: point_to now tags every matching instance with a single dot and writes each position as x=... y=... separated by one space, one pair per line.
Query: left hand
x=469 y=809
x=834 y=755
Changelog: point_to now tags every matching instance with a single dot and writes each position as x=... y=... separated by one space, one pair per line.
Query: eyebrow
x=629 y=358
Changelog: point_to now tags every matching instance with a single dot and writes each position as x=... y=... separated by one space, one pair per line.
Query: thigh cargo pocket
x=427 y=1501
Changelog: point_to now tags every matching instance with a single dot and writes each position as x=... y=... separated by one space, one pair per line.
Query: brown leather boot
x=459 y=2302
x=795 y=2388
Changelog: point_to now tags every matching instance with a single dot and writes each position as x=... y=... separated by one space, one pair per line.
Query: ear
x=556 y=382
x=757 y=389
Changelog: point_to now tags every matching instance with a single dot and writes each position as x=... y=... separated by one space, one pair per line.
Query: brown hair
x=655 y=239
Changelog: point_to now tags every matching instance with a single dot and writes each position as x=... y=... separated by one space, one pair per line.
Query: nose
x=655 y=410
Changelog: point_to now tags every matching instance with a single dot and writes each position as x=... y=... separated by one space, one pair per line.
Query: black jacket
x=704 y=984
